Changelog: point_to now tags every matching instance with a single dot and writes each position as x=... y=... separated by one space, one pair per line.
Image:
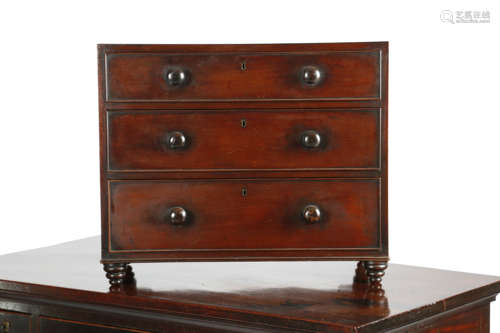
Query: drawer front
x=247 y=76
x=14 y=322
x=241 y=140
x=244 y=215
x=53 y=325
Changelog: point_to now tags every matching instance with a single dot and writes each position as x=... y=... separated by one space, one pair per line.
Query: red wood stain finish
x=243 y=152
x=349 y=208
x=220 y=75
x=268 y=140
x=61 y=289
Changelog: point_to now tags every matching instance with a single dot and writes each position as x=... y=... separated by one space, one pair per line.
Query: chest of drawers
x=244 y=152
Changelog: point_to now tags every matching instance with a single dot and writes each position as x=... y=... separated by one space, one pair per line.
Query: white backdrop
x=443 y=115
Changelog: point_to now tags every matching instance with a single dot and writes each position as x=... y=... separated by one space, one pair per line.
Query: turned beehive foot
x=375 y=270
x=118 y=273
x=360 y=274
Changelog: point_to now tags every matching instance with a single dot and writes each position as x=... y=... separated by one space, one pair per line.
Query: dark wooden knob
x=311 y=75
x=311 y=214
x=176 y=140
x=176 y=77
x=310 y=139
x=177 y=215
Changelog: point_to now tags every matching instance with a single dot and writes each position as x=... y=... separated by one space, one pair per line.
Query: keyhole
x=244 y=192
x=243 y=123
x=244 y=66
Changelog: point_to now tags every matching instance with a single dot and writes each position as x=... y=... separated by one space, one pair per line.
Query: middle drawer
x=243 y=140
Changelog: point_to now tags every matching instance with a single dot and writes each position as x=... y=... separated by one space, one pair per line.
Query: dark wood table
x=63 y=289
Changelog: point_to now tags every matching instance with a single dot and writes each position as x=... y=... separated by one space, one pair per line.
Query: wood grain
x=219 y=76
x=64 y=282
x=269 y=140
x=264 y=87
x=221 y=218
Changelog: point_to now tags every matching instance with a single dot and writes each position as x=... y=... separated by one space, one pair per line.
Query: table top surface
x=317 y=293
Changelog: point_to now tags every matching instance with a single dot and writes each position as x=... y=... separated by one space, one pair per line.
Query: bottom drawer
x=52 y=325
x=244 y=215
x=14 y=322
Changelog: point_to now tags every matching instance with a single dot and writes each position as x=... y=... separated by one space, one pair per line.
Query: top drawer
x=246 y=76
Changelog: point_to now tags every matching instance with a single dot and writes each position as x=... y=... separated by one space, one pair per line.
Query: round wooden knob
x=310 y=139
x=311 y=75
x=176 y=140
x=311 y=214
x=177 y=215
x=176 y=77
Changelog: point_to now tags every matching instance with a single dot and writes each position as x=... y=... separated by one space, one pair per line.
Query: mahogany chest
x=68 y=294
x=244 y=153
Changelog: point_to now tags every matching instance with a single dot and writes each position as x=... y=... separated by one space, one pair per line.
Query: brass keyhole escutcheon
x=243 y=66
x=5 y=326
x=243 y=123
x=244 y=192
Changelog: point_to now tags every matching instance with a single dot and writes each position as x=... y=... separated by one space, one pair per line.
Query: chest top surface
x=301 y=293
